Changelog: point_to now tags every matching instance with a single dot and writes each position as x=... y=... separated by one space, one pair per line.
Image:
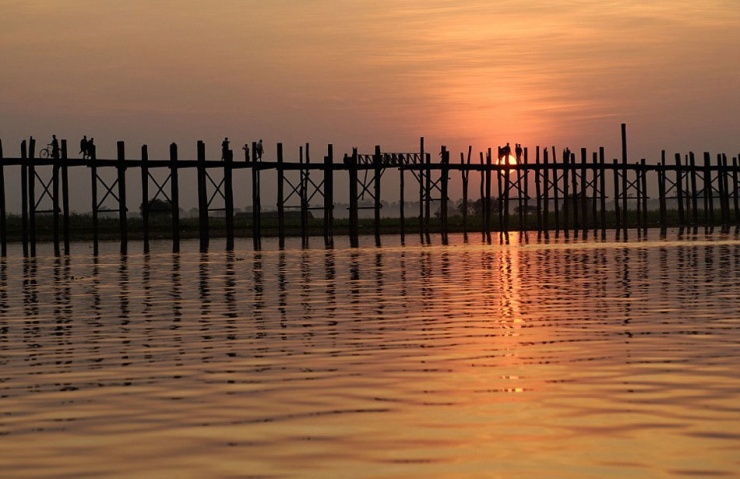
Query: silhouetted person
x=91 y=148
x=246 y=152
x=566 y=155
x=258 y=151
x=518 y=152
x=83 y=147
x=503 y=153
x=225 y=149
x=54 y=147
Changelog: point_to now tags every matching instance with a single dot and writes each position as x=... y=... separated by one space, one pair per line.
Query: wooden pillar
x=708 y=190
x=596 y=173
x=520 y=196
x=545 y=191
x=377 y=165
x=353 y=219
x=203 y=223
x=3 y=210
x=505 y=176
x=694 y=195
x=256 y=197
x=538 y=187
x=424 y=183
x=55 y=177
x=329 y=197
x=122 y=219
x=229 y=196
x=428 y=194
x=638 y=195
x=624 y=176
x=566 y=191
x=679 y=190
x=525 y=188
x=401 y=200
x=556 y=188
x=421 y=191
x=304 y=195
x=644 y=193
x=500 y=203
x=65 y=198
x=728 y=191
x=32 y=196
x=175 y=197
x=584 y=192
x=444 y=184
x=661 y=190
x=280 y=196
x=735 y=199
x=602 y=186
x=574 y=195
x=617 y=205
x=94 y=186
x=487 y=201
x=465 y=177
x=722 y=187
x=145 y=196
x=24 y=197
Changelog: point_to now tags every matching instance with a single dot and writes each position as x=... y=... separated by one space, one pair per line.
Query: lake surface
x=565 y=357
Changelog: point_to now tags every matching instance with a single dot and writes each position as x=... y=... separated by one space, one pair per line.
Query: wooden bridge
x=570 y=190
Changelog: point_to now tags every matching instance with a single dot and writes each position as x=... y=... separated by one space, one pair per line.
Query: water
x=539 y=359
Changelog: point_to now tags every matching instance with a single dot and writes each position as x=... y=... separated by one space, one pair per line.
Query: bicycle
x=47 y=152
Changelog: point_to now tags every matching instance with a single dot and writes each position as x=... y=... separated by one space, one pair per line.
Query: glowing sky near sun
x=360 y=73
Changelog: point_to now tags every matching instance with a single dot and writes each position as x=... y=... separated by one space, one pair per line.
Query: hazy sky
x=360 y=73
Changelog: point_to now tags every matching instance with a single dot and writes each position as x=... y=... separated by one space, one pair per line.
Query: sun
x=508 y=160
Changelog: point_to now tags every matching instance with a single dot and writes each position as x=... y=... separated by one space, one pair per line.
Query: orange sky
x=360 y=73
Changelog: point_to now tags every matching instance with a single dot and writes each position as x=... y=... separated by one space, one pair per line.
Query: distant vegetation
x=160 y=223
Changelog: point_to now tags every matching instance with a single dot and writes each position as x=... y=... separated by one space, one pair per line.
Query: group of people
x=87 y=147
x=505 y=151
x=226 y=152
